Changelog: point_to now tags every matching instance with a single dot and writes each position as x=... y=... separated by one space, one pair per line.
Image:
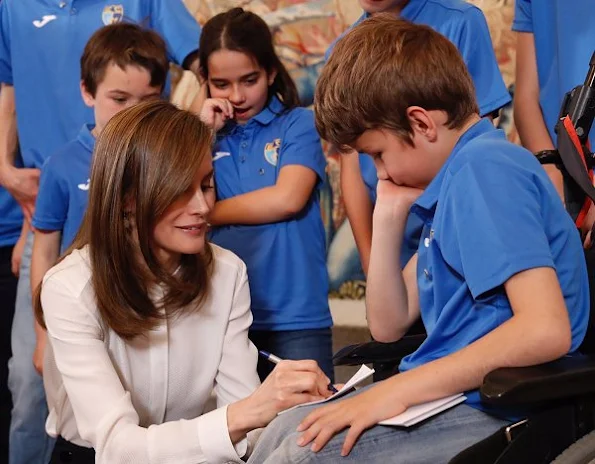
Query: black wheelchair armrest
x=376 y=352
x=566 y=377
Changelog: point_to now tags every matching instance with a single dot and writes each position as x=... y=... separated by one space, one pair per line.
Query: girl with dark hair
x=269 y=166
x=145 y=318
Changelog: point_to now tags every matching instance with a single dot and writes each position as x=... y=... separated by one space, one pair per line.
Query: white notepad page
x=362 y=374
x=420 y=412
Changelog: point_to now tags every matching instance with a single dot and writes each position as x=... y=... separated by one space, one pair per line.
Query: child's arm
x=46 y=249
x=20 y=182
x=17 y=251
x=528 y=117
x=358 y=205
x=280 y=202
x=538 y=332
x=392 y=305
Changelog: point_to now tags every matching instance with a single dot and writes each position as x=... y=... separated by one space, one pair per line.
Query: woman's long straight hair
x=145 y=158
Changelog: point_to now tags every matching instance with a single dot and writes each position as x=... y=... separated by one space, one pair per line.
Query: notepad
x=420 y=412
x=362 y=374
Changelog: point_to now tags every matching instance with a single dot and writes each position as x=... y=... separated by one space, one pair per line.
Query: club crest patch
x=271 y=152
x=112 y=14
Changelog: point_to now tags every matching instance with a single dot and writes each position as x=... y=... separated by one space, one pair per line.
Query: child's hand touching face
x=396 y=199
x=215 y=112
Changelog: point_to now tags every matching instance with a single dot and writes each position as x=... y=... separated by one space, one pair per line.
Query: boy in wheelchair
x=499 y=278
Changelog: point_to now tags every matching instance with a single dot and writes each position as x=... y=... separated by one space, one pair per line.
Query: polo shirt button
x=261 y=171
x=427 y=274
x=242 y=158
x=62 y=4
x=73 y=11
x=244 y=144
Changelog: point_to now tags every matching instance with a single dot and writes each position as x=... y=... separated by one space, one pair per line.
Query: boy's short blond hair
x=384 y=66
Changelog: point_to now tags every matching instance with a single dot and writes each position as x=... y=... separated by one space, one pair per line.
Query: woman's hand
x=215 y=112
x=291 y=383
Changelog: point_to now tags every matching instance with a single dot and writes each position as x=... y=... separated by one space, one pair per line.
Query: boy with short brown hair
x=499 y=277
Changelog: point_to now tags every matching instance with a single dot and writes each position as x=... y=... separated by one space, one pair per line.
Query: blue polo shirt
x=41 y=42
x=64 y=188
x=490 y=212
x=11 y=219
x=285 y=260
x=564 y=35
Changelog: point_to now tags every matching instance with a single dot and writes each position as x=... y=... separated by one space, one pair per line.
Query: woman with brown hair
x=145 y=318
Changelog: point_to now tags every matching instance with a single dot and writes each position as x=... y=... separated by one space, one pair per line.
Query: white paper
x=362 y=374
x=420 y=412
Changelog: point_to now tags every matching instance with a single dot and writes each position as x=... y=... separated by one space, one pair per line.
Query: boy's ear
x=87 y=97
x=422 y=123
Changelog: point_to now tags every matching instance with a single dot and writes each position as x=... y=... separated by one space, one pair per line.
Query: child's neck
x=456 y=134
x=396 y=10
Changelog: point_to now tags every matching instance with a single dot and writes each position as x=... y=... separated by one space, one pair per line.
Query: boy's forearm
x=45 y=253
x=538 y=332
x=535 y=136
x=358 y=206
x=510 y=345
x=386 y=292
x=532 y=129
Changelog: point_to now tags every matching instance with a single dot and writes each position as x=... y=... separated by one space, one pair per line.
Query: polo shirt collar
x=425 y=205
x=410 y=11
x=269 y=112
x=86 y=138
x=273 y=109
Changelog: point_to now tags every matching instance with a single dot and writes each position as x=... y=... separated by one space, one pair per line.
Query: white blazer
x=142 y=401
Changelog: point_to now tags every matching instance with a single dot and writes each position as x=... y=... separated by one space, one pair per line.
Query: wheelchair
x=559 y=396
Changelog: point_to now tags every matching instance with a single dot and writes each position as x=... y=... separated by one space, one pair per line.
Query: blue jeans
x=29 y=443
x=8 y=290
x=314 y=344
x=436 y=440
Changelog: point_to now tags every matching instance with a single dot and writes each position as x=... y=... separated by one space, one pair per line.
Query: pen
x=276 y=360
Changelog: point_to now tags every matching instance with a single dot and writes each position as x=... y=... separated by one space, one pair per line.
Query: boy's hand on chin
x=395 y=199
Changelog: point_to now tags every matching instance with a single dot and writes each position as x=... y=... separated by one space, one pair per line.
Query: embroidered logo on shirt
x=112 y=14
x=271 y=152
x=220 y=154
x=44 y=20
x=84 y=187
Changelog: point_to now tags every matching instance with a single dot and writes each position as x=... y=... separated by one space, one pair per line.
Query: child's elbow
x=291 y=206
x=557 y=340
x=383 y=334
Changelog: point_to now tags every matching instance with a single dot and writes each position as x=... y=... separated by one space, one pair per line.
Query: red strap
x=577 y=143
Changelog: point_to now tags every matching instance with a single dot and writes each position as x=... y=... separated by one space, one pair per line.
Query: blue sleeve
x=491 y=226
x=5 y=56
x=523 y=16
x=475 y=45
x=331 y=47
x=51 y=206
x=172 y=20
x=301 y=144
